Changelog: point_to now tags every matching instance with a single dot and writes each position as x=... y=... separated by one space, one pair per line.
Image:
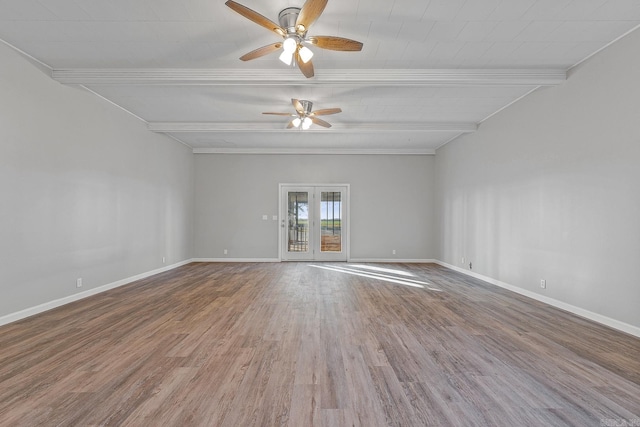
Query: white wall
x=391 y=202
x=550 y=189
x=85 y=191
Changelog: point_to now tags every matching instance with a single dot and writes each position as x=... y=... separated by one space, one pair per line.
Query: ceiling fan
x=304 y=117
x=293 y=25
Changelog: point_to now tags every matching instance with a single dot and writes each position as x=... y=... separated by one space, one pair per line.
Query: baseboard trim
x=598 y=318
x=374 y=260
x=235 y=260
x=394 y=260
x=22 y=314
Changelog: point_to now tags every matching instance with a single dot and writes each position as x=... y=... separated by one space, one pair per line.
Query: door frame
x=282 y=216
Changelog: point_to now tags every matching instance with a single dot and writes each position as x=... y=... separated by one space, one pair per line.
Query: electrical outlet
x=226 y=251
x=393 y=252
x=164 y=260
x=79 y=282
x=462 y=260
x=543 y=284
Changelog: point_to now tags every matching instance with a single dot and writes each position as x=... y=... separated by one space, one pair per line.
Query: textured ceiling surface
x=429 y=71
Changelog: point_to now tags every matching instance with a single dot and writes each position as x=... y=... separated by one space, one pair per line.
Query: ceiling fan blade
x=279 y=114
x=310 y=11
x=290 y=125
x=307 y=69
x=319 y=122
x=261 y=51
x=326 y=112
x=256 y=17
x=335 y=43
x=298 y=106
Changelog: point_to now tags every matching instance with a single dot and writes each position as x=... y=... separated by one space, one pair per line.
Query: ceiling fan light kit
x=305 y=54
x=286 y=57
x=289 y=45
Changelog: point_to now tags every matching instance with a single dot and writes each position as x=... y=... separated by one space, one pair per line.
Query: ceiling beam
x=322 y=151
x=290 y=77
x=252 y=127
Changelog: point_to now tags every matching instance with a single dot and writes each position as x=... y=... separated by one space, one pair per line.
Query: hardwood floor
x=302 y=344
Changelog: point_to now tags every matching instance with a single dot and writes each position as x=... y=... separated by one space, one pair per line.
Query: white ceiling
x=430 y=70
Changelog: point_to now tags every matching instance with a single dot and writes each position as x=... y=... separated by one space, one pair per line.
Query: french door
x=313 y=222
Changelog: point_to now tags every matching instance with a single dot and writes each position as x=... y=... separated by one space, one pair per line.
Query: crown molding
x=380 y=77
x=253 y=127
x=320 y=151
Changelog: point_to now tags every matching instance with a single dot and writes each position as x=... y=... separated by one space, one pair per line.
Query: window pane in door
x=298 y=207
x=330 y=221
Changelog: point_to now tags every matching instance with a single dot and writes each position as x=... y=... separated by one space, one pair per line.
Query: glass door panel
x=298 y=221
x=331 y=221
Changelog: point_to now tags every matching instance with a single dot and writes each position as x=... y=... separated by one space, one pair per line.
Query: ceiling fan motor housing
x=306 y=106
x=288 y=18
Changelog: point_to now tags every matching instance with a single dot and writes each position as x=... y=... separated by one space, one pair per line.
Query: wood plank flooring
x=304 y=344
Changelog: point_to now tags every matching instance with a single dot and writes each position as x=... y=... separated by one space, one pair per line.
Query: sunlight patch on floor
x=384 y=270
x=354 y=270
